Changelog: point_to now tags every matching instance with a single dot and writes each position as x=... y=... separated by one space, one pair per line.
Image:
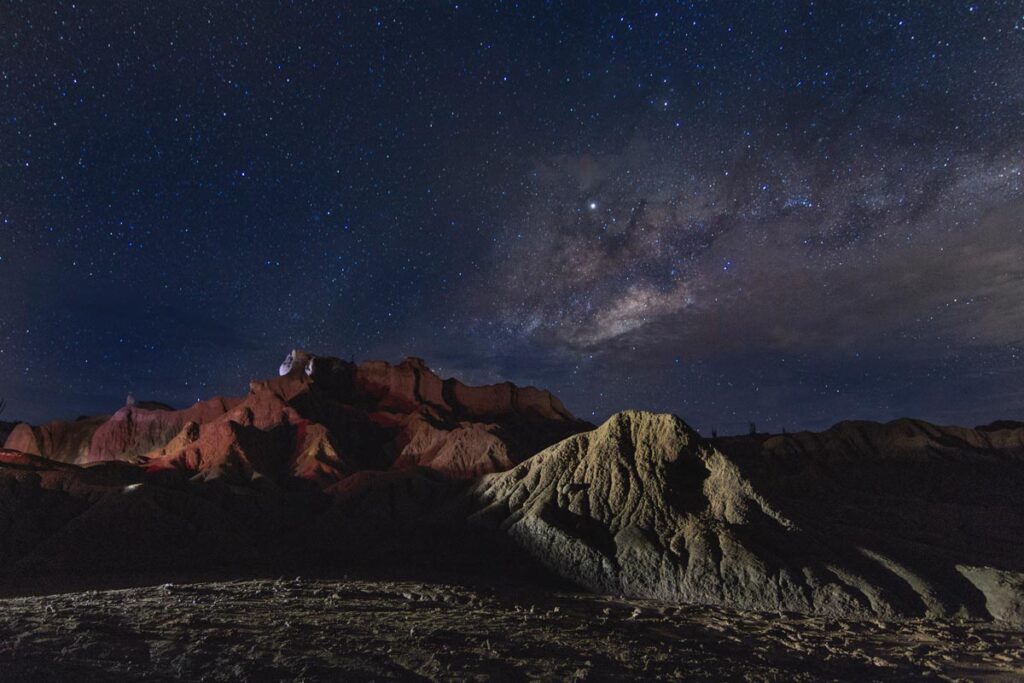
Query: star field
x=789 y=213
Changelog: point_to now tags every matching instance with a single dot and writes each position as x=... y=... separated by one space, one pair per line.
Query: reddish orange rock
x=134 y=431
x=321 y=419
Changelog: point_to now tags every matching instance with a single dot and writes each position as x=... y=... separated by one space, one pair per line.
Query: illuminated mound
x=643 y=506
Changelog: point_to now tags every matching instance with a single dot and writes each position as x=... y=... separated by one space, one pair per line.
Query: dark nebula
x=789 y=213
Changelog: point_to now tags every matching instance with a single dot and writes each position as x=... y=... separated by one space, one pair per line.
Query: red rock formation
x=134 y=431
x=469 y=449
x=325 y=419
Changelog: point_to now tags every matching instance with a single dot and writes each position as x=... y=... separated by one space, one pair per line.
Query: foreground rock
x=351 y=629
x=642 y=506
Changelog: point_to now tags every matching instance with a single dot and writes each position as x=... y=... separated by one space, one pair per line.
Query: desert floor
x=354 y=629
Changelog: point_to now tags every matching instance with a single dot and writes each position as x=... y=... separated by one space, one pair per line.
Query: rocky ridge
x=333 y=462
x=329 y=418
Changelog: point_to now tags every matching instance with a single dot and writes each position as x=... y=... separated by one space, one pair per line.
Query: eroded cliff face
x=880 y=520
x=322 y=419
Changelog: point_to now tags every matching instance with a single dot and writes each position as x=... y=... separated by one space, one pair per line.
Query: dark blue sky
x=785 y=212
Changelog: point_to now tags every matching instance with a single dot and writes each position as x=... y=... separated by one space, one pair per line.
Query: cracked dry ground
x=304 y=629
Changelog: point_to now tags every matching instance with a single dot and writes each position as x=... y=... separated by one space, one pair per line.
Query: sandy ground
x=349 y=629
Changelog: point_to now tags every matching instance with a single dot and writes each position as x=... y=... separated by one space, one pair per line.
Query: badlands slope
x=335 y=464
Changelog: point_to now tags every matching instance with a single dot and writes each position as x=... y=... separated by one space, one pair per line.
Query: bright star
x=593 y=205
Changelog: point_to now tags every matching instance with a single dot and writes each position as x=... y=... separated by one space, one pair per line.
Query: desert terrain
x=353 y=629
x=371 y=521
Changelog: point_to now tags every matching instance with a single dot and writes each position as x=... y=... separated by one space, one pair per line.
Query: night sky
x=790 y=213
